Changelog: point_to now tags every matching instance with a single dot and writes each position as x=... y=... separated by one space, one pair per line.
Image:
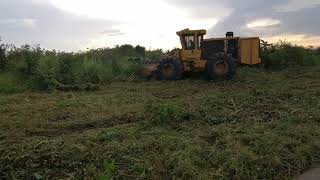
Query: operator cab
x=191 y=39
x=190 y=55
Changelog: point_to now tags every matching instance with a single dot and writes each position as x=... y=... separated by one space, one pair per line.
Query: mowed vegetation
x=264 y=124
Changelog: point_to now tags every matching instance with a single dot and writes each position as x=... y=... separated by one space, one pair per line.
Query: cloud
x=263 y=23
x=260 y=19
x=296 y=5
x=266 y=19
x=149 y=23
x=38 y=22
x=299 y=39
x=112 y=32
x=77 y=24
x=25 y=23
x=203 y=8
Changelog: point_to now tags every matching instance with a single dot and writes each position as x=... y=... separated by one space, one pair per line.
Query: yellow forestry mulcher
x=217 y=57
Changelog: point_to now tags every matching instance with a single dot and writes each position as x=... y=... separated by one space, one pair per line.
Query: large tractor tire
x=170 y=69
x=221 y=67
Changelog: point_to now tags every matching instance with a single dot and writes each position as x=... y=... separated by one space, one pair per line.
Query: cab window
x=200 y=41
x=189 y=42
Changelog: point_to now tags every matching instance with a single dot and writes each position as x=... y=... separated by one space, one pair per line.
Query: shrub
x=283 y=54
x=43 y=69
x=24 y=60
x=310 y=60
x=3 y=59
x=66 y=63
x=155 y=55
x=116 y=68
x=94 y=71
x=131 y=69
x=126 y=50
x=9 y=84
x=317 y=51
x=141 y=51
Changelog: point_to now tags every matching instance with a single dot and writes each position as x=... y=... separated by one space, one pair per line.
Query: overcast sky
x=81 y=24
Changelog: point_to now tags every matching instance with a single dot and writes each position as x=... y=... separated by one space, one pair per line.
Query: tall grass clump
x=166 y=112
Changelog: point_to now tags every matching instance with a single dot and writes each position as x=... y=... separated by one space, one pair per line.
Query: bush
x=24 y=60
x=310 y=60
x=155 y=54
x=131 y=69
x=66 y=65
x=141 y=51
x=283 y=54
x=126 y=50
x=116 y=68
x=317 y=51
x=3 y=59
x=9 y=84
x=94 y=71
x=44 y=70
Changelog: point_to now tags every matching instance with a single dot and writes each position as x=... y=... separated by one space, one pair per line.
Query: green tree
x=3 y=59
x=140 y=50
x=126 y=50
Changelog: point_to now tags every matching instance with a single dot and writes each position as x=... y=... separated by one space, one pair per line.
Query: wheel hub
x=169 y=70
x=221 y=68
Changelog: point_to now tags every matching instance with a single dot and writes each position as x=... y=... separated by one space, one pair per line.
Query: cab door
x=191 y=50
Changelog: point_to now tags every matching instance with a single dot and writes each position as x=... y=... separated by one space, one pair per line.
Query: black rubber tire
x=221 y=58
x=176 y=67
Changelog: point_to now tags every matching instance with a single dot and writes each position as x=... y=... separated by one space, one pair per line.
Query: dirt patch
x=46 y=133
x=165 y=95
x=61 y=116
x=81 y=127
x=313 y=174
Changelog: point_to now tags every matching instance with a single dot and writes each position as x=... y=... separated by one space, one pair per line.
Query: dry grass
x=260 y=125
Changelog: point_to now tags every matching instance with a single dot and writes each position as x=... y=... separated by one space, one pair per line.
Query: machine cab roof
x=191 y=32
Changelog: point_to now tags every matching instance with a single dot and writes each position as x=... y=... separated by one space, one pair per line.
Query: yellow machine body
x=194 y=55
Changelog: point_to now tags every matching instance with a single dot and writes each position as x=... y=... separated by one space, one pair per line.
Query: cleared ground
x=260 y=125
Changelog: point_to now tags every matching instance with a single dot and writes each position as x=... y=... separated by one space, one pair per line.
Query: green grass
x=261 y=125
x=10 y=84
